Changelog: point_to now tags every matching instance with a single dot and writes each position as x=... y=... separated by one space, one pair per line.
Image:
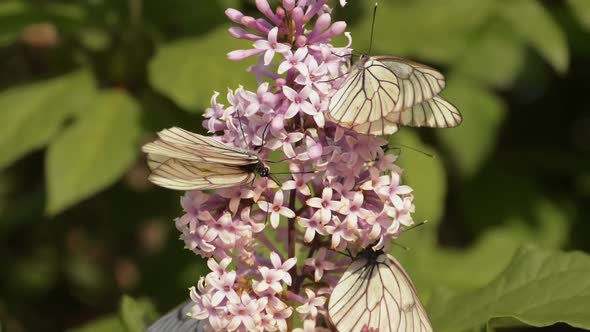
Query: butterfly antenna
x=401 y=246
x=264 y=135
x=432 y=156
x=416 y=226
x=276 y=180
x=241 y=127
x=373 y=27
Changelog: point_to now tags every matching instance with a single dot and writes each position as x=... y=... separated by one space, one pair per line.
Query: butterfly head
x=261 y=169
x=370 y=254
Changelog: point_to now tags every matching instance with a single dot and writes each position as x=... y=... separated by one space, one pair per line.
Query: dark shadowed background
x=84 y=83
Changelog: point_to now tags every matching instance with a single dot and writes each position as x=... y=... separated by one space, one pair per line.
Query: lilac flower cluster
x=344 y=193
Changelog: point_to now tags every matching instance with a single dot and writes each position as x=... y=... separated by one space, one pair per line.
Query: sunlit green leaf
x=14 y=15
x=581 y=9
x=107 y=324
x=432 y=266
x=136 y=313
x=94 y=152
x=189 y=70
x=32 y=114
x=538 y=288
x=495 y=56
x=429 y=29
x=533 y=23
x=483 y=113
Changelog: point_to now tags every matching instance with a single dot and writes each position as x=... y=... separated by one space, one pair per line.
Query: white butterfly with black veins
x=182 y=160
x=376 y=293
x=382 y=93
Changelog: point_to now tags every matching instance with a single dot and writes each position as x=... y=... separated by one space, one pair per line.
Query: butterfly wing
x=418 y=82
x=370 y=91
x=177 y=321
x=378 y=295
x=181 y=174
x=384 y=92
x=182 y=144
x=434 y=113
x=182 y=160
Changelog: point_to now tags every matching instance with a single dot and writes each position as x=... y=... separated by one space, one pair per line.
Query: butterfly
x=376 y=293
x=382 y=93
x=183 y=160
x=178 y=320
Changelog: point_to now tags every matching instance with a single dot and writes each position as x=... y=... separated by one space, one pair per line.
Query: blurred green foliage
x=83 y=84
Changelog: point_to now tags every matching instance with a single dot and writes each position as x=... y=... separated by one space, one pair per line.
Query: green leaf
x=424 y=174
x=532 y=22
x=538 y=288
x=136 y=313
x=189 y=70
x=423 y=28
x=106 y=324
x=94 y=152
x=14 y=15
x=483 y=113
x=581 y=9
x=502 y=53
x=33 y=114
x=432 y=266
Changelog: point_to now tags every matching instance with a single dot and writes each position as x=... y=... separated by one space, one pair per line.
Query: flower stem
x=291 y=247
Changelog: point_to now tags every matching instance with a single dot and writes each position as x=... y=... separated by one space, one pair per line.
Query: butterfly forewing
x=369 y=90
x=182 y=160
x=377 y=293
x=381 y=93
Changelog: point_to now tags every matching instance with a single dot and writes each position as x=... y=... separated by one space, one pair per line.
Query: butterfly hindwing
x=376 y=292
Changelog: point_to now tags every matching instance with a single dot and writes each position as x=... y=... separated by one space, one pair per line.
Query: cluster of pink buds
x=343 y=194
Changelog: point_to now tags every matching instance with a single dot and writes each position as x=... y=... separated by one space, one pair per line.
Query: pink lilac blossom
x=344 y=192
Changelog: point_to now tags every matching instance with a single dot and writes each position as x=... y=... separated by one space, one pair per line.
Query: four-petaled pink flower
x=341 y=233
x=276 y=209
x=310 y=307
x=271 y=46
x=271 y=278
x=279 y=312
x=225 y=288
x=353 y=209
x=299 y=182
x=283 y=267
x=245 y=312
x=394 y=190
x=325 y=204
x=294 y=61
x=312 y=226
x=320 y=264
x=286 y=141
x=299 y=101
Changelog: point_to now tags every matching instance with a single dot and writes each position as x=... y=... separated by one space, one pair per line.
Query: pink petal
x=265 y=206
x=292 y=111
x=268 y=57
x=278 y=201
x=287 y=212
x=275 y=259
x=284 y=67
x=290 y=93
x=274 y=220
x=272 y=35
